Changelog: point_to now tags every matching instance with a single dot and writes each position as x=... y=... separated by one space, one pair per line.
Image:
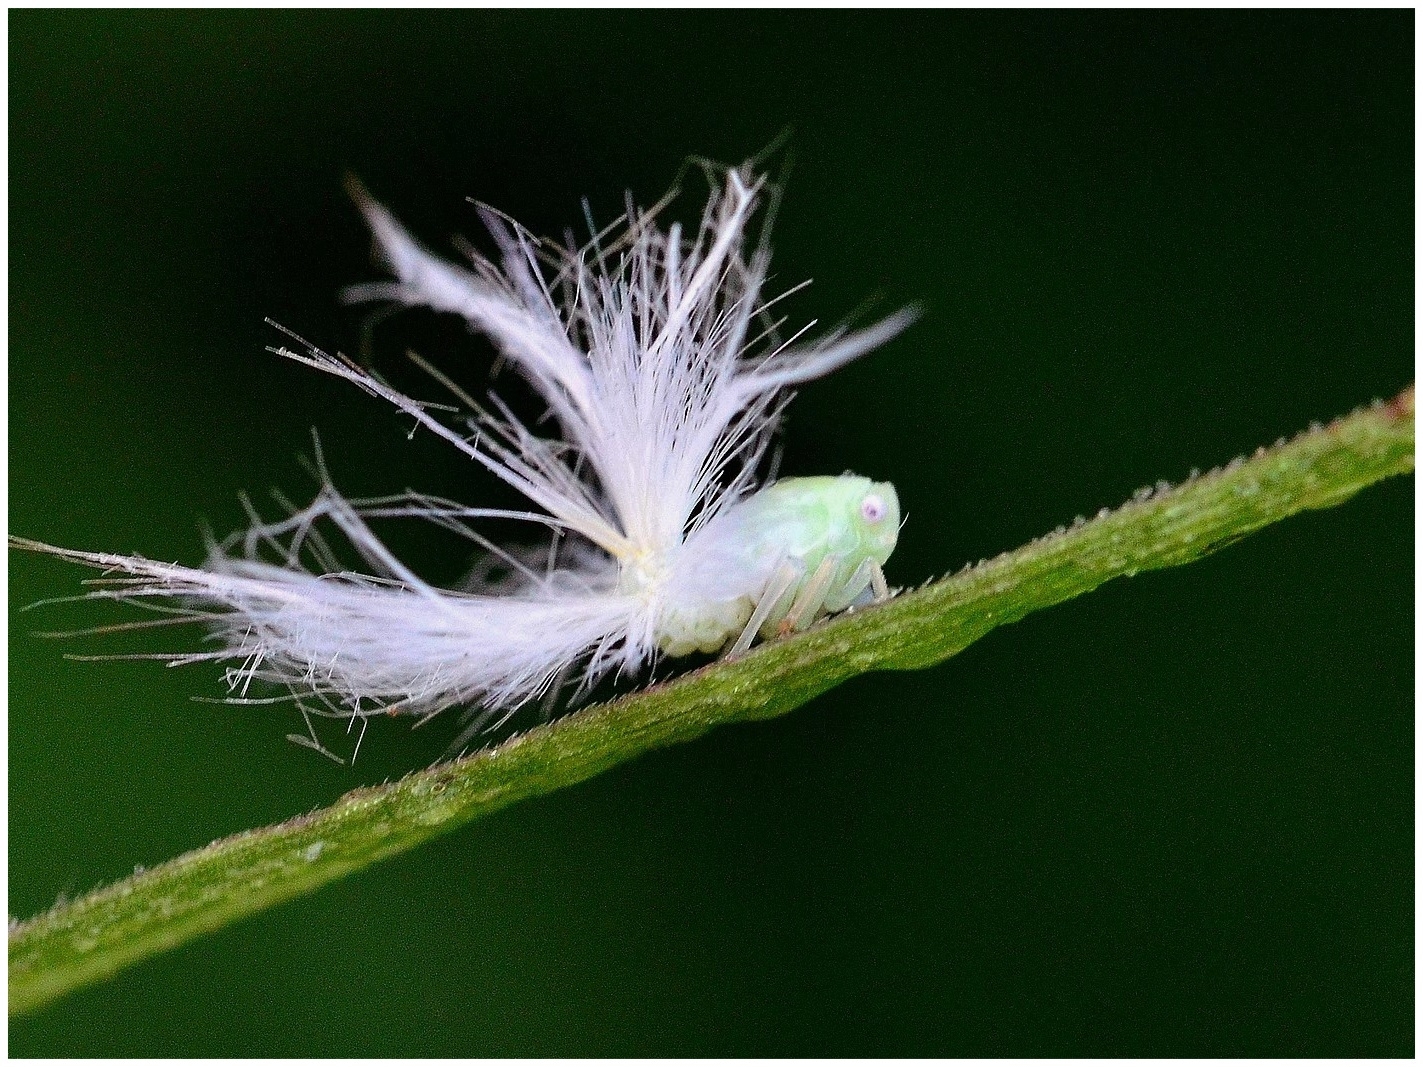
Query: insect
x=659 y=360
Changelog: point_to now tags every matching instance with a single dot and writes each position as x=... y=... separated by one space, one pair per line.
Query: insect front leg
x=877 y=582
x=869 y=585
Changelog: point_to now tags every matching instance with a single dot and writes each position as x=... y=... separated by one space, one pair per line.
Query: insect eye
x=872 y=507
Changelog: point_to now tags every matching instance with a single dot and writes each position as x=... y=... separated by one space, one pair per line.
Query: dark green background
x=1175 y=817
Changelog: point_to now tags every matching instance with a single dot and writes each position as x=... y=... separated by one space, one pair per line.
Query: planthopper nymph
x=661 y=363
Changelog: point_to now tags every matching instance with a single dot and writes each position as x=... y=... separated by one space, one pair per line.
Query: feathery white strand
x=645 y=352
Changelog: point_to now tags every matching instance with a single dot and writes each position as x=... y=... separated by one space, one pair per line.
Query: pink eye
x=872 y=508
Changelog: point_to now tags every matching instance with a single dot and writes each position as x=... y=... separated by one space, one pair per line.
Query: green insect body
x=777 y=561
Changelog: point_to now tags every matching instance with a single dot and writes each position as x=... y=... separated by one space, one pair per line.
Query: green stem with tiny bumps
x=83 y=941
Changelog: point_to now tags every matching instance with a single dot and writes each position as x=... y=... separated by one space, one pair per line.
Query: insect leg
x=784 y=577
x=812 y=597
x=878 y=583
x=855 y=591
x=869 y=585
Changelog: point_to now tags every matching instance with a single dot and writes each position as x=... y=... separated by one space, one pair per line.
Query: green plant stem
x=80 y=942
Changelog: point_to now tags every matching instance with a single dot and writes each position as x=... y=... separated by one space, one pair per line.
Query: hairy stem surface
x=80 y=942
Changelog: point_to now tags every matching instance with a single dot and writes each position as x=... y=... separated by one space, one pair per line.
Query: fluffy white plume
x=654 y=353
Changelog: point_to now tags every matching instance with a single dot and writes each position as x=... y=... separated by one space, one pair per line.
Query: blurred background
x=1172 y=818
